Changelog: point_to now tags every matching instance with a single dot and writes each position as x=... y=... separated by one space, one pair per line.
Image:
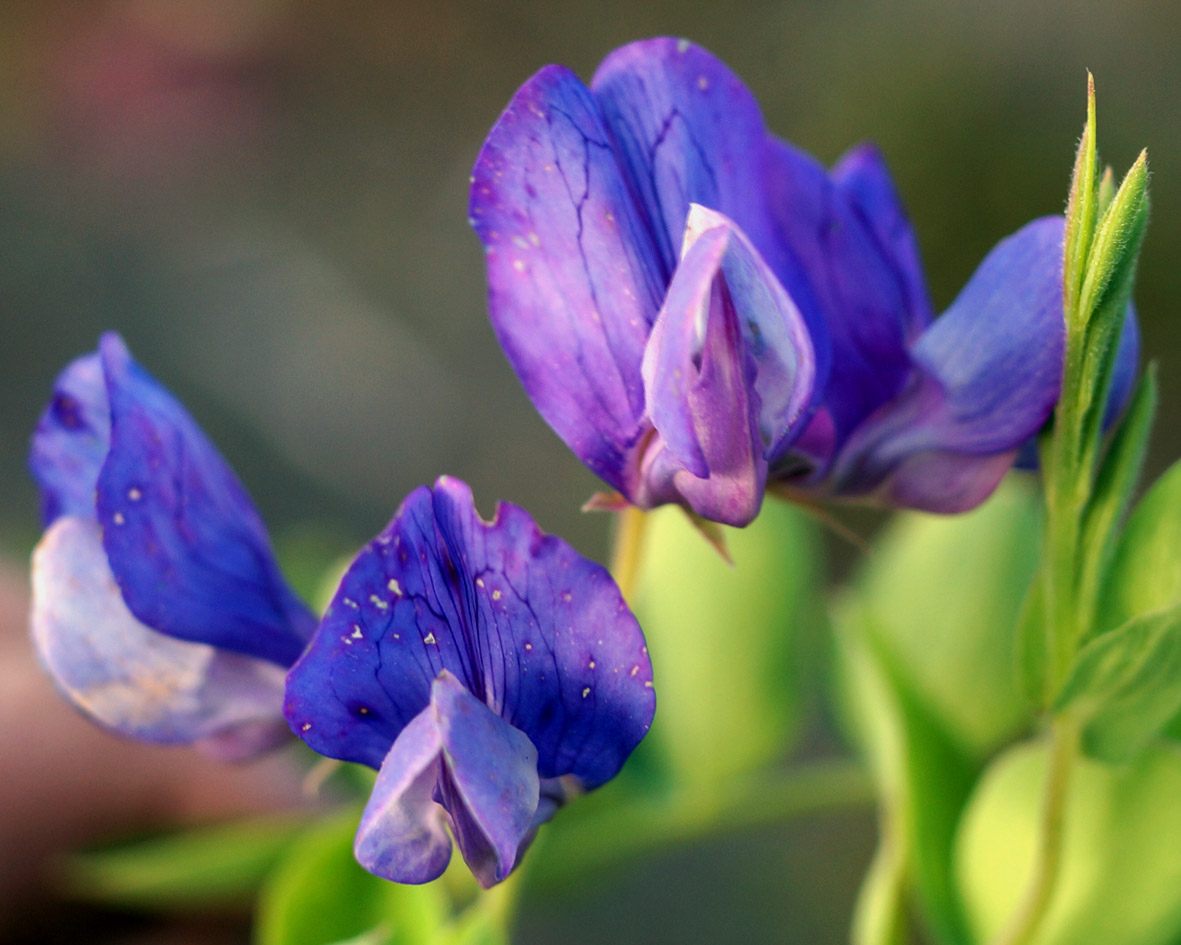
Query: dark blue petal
x=862 y=294
x=862 y=176
x=184 y=541
x=538 y=633
x=71 y=440
x=988 y=375
x=132 y=680
x=574 y=278
x=1127 y=363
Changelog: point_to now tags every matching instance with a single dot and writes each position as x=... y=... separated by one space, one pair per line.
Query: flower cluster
x=700 y=310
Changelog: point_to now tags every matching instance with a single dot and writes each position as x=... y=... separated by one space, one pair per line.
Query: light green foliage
x=923 y=781
x=723 y=640
x=944 y=595
x=1126 y=685
x=1145 y=573
x=1121 y=875
x=319 y=895
x=206 y=867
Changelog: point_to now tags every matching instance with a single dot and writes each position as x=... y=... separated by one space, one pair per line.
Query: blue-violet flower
x=158 y=607
x=486 y=669
x=697 y=307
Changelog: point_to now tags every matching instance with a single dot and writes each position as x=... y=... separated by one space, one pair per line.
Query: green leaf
x=945 y=593
x=1145 y=572
x=207 y=867
x=1113 y=489
x=1120 y=879
x=1127 y=685
x=923 y=781
x=319 y=895
x=725 y=640
x=1081 y=208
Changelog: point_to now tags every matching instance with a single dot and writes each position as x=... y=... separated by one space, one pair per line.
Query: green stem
x=627 y=549
x=625 y=829
x=1028 y=919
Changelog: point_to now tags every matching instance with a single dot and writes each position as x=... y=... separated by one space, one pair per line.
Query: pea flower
x=486 y=669
x=790 y=339
x=158 y=607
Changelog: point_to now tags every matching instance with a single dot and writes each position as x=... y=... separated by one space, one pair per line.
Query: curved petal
x=574 y=279
x=458 y=756
x=71 y=440
x=1123 y=383
x=863 y=177
x=184 y=541
x=127 y=677
x=688 y=131
x=402 y=836
x=537 y=632
x=989 y=373
x=862 y=295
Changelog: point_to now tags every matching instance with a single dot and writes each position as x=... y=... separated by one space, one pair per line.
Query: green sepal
x=726 y=641
x=1126 y=685
x=203 y=868
x=318 y=895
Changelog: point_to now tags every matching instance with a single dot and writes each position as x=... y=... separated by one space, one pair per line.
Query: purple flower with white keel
x=654 y=337
x=486 y=669
x=158 y=607
x=803 y=353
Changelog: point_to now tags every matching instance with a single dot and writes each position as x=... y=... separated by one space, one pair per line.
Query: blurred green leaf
x=1114 y=487
x=723 y=639
x=1145 y=572
x=923 y=781
x=1127 y=685
x=208 y=867
x=1032 y=658
x=944 y=595
x=1120 y=880
x=319 y=895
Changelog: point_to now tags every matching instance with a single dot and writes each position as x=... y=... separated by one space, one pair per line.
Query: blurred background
x=268 y=198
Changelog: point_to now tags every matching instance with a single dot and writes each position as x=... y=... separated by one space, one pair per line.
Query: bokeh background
x=268 y=199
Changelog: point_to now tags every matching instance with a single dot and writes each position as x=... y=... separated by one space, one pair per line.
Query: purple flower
x=654 y=337
x=486 y=669
x=158 y=607
x=697 y=307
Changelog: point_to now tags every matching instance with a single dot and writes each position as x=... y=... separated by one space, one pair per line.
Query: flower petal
x=862 y=176
x=538 y=633
x=402 y=835
x=861 y=293
x=989 y=373
x=71 y=440
x=689 y=131
x=456 y=755
x=574 y=278
x=129 y=678
x=183 y=539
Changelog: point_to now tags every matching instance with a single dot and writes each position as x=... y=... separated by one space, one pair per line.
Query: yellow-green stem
x=1026 y=921
x=628 y=548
